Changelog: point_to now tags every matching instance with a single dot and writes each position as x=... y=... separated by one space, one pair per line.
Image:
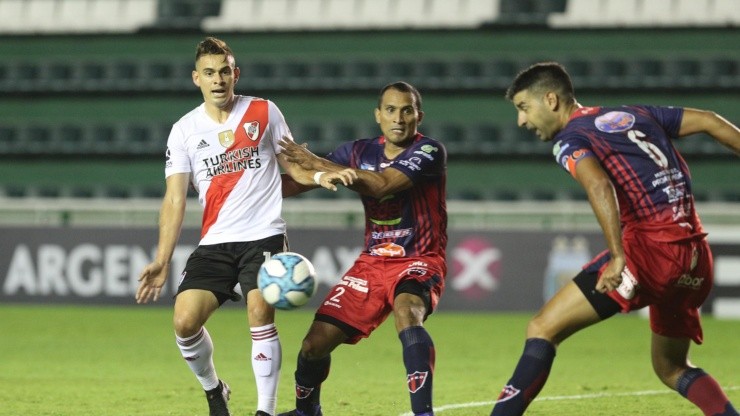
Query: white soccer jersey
x=234 y=168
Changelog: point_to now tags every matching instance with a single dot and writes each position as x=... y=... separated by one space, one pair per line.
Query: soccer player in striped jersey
x=640 y=190
x=227 y=150
x=401 y=176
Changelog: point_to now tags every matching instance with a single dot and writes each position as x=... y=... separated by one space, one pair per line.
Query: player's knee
x=539 y=328
x=186 y=325
x=313 y=348
x=668 y=372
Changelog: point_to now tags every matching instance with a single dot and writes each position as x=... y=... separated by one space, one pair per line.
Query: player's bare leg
x=565 y=314
x=193 y=307
x=267 y=356
x=673 y=368
x=409 y=311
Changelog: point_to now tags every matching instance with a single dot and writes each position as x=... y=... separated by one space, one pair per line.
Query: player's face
x=533 y=112
x=216 y=76
x=398 y=117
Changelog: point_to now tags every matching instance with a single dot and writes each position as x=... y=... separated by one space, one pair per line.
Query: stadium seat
x=393 y=70
x=9 y=139
x=103 y=139
x=71 y=16
x=39 y=16
x=362 y=74
x=7 y=75
x=528 y=12
x=185 y=14
x=13 y=13
x=685 y=73
x=609 y=73
x=325 y=15
x=72 y=140
x=579 y=70
x=725 y=72
x=724 y=13
x=646 y=72
x=499 y=72
x=578 y=13
x=127 y=75
x=468 y=73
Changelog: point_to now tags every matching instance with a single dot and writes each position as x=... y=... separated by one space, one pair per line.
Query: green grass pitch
x=91 y=360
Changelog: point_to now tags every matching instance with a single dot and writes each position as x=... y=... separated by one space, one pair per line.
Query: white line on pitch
x=441 y=409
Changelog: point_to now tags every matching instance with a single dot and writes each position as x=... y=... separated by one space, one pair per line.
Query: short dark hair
x=403 y=87
x=543 y=77
x=212 y=46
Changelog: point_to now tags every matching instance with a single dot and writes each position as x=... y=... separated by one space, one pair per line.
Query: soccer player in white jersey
x=226 y=148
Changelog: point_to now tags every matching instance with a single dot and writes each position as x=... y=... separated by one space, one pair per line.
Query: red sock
x=704 y=391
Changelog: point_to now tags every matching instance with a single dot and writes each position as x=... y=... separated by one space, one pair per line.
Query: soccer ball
x=287 y=280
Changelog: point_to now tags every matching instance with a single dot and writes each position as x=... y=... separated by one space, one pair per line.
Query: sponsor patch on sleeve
x=614 y=121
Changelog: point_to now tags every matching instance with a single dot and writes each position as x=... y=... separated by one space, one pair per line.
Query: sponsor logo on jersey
x=388 y=250
x=168 y=158
x=416 y=380
x=253 y=129
x=428 y=148
x=690 y=282
x=615 y=121
x=226 y=138
x=367 y=166
x=202 y=145
x=424 y=154
x=569 y=162
x=355 y=283
x=381 y=235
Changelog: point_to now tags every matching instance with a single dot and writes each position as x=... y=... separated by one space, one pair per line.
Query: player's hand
x=611 y=276
x=345 y=176
x=151 y=282
x=299 y=154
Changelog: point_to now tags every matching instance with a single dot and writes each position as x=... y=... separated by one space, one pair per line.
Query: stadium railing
x=133 y=212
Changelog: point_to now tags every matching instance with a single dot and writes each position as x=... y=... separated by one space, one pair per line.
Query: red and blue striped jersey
x=412 y=222
x=634 y=147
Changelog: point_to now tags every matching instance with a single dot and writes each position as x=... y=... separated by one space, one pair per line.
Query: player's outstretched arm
x=701 y=121
x=297 y=179
x=171 y=216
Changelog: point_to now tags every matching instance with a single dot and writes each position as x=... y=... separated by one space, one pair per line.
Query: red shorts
x=673 y=279
x=364 y=296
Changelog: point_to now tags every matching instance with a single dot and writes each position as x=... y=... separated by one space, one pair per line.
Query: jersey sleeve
x=570 y=150
x=668 y=117
x=277 y=128
x=176 y=157
x=342 y=154
x=427 y=159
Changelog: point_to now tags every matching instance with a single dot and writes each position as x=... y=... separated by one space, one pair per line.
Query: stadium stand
x=291 y=15
x=128 y=75
x=103 y=80
x=44 y=17
x=646 y=13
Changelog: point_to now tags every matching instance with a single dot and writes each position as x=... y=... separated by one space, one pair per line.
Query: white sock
x=267 y=357
x=198 y=352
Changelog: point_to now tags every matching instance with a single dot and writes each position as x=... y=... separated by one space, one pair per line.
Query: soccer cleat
x=296 y=412
x=261 y=413
x=217 y=399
